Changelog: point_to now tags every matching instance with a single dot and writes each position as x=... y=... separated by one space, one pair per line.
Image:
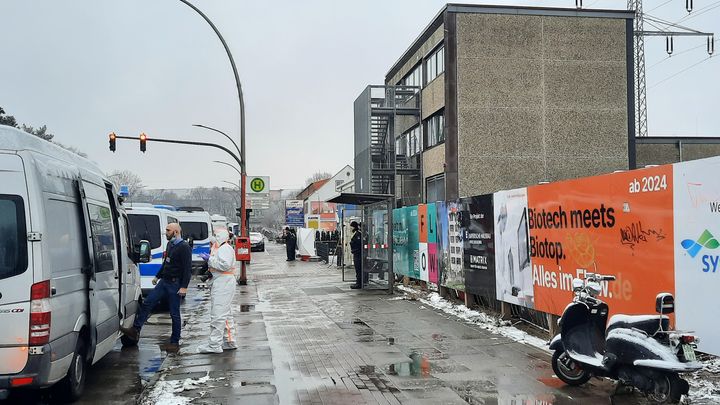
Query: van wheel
x=72 y=386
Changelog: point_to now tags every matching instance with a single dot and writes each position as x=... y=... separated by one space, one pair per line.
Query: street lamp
x=243 y=173
x=220 y=132
x=228 y=164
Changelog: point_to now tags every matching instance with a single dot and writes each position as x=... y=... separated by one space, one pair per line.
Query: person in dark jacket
x=290 y=244
x=171 y=283
x=356 y=250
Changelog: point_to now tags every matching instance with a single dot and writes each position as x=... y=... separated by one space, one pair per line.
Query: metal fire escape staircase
x=387 y=104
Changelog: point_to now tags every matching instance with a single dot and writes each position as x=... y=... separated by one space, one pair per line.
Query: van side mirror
x=143 y=252
x=191 y=241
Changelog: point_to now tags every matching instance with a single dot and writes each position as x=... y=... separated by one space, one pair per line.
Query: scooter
x=637 y=350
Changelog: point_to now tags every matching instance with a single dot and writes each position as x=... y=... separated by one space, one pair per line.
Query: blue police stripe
x=149 y=269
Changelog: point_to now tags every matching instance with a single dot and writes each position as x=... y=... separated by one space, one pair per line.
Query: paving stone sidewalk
x=306 y=338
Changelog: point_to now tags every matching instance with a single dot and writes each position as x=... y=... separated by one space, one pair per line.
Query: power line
x=680 y=53
x=657 y=7
x=680 y=72
x=700 y=11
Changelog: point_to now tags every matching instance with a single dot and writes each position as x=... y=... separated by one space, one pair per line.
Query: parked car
x=68 y=273
x=257 y=242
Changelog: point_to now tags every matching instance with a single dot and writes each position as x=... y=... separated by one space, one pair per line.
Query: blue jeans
x=168 y=290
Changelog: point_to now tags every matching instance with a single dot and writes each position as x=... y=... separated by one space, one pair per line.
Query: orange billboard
x=618 y=224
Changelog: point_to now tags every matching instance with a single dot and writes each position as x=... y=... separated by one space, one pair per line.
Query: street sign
x=257 y=185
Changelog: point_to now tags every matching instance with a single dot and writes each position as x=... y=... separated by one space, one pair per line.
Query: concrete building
x=497 y=97
x=661 y=150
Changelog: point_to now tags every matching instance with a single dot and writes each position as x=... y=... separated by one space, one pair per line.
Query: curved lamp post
x=243 y=173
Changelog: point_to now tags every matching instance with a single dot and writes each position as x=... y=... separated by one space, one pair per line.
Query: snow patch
x=164 y=392
x=481 y=319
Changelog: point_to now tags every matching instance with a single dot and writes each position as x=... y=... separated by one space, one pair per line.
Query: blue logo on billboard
x=707 y=241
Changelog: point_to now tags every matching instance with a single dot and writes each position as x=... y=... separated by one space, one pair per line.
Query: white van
x=68 y=277
x=219 y=221
x=148 y=223
x=196 y=225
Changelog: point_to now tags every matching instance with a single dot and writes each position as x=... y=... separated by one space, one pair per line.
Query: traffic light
x=238 y=212
x=143 y=142
x=112 y=141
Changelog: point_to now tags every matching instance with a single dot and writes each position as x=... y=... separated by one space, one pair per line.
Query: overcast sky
x=86 y=68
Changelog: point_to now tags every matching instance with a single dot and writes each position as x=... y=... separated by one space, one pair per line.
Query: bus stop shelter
x=376 y=228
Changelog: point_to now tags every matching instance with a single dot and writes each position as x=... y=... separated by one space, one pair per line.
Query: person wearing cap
x=221 y=264
x=356 y=250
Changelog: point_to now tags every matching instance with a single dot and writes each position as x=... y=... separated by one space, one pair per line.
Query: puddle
x=246 y=307
x=149 y=360
x=417 y=366
x=552 y=382
x=430 y=352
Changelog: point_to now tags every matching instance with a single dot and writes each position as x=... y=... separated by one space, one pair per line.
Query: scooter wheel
x=568 y=370
x=668 y=389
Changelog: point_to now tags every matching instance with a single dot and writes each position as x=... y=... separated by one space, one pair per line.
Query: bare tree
x=317 y=177
x=127 y=178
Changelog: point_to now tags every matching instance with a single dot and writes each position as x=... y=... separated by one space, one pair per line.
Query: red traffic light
x=143 y=142
x=113 y=137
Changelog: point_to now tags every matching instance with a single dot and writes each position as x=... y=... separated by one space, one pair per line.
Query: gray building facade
x=513 y=96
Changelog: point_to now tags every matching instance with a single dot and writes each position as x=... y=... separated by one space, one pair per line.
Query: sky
x=86 y=68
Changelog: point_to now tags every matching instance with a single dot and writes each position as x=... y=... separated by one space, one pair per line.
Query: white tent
x=306 y=241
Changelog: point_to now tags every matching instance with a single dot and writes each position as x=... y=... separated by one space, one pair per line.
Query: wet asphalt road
x=119 y=377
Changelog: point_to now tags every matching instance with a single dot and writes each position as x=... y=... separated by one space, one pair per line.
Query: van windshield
x=145 y=227
x=195 y=230
x=13 y=239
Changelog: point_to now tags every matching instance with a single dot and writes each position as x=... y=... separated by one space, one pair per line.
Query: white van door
x=104 y=287
x=16 y=274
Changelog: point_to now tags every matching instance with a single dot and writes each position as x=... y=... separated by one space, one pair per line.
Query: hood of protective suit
x=222 y=236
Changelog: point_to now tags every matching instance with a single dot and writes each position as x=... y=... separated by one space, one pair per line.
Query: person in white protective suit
x=221 y=264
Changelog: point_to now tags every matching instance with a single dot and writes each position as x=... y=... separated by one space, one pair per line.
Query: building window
x=435 y=64
x=435 y=129
x=409 y=143
x=414 y=78
x=435 y=188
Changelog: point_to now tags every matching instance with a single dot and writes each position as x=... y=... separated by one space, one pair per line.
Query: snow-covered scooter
x=639 y=351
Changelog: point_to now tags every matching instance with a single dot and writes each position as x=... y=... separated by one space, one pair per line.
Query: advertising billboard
x=423 y=239
x=443 y=240
x=478 y=245
x=401 y=253
x=514 y=278
x=453 y=275
x=294 y=215
x=617 y=224
x=696 y=202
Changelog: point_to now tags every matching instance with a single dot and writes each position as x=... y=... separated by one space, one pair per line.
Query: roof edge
x=499 y=9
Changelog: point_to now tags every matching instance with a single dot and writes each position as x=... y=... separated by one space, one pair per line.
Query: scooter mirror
x=593 y=288
x=577 y=284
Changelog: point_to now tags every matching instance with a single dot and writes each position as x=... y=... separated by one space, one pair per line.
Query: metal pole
x=243 y=222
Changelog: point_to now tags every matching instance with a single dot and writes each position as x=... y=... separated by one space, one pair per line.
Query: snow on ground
x=704 y=384
x=165 y=392
x=481 y=319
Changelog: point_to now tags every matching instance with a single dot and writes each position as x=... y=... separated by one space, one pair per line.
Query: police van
x=68 y=273
x=148 y=223
x=196 y=229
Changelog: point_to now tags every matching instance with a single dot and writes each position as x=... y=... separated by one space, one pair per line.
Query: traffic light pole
x=177 y=141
